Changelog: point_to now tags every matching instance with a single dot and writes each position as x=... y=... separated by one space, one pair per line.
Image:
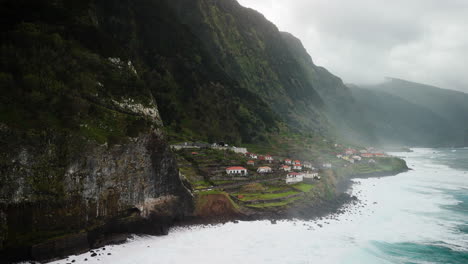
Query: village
x=294 y=170
x=243 y=166
x=276 y=179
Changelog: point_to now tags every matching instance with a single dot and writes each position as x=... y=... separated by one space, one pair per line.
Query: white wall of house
x=264 y=170
x=236 y=172
x=297 y=167
x=239 y=150
x=294 y=179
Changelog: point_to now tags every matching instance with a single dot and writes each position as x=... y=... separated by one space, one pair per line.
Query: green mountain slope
x=399 y=122
x=196 y=98
x=438 y=116
x=344 y=113
x=251 y=51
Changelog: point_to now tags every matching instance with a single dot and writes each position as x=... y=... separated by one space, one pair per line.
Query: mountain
x=252 y=52
x=415 y=114
x=341 y=108
x=93 y=90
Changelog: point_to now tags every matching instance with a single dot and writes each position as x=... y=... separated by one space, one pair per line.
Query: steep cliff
x=82 y=151
x=91 y=89
x=341 y=108
x=251 y=51
x=421 y=115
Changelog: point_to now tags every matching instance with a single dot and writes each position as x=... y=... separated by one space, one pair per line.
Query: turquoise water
x=420 y=216
x=455 y=182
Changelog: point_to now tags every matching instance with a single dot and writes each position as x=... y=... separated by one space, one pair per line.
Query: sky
x=364 y=41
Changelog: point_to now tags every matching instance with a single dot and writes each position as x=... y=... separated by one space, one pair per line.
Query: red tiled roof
x=250 y=161
x=294 y=173
x=287 y=160
x=236 y=168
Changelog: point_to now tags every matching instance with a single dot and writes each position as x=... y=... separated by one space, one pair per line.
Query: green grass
x=223 y=182
x=304 y=187
x=276 y=204
x=275 y=188
x=201 y=184
x=265 y=196
x=211 y=192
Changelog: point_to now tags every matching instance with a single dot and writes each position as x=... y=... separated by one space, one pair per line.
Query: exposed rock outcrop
x=62 y=194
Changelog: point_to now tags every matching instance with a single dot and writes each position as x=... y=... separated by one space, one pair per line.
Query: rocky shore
x=320 y=207
x=117 y=231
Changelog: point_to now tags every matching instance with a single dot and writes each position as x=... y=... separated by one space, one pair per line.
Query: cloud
x=363 y=41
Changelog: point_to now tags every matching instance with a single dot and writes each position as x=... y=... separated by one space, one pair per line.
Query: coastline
x=318 y=209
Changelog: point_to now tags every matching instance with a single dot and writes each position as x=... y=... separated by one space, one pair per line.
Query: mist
x=363 y=41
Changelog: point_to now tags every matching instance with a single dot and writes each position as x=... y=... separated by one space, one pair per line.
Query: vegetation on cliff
x=92 y=90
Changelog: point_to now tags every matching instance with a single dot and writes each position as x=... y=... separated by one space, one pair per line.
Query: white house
x=358 y=158
x=240 y=171
x=251 y=163
x=285 y=168
x=268 y=158
x=311 y=176
x=297 y=162
x=294 y=177
x=327 y=165
x=264 y=170
x=288 y=161
x=239 y=150
x=307 y=165
x=297 y=167
x=253 y=156
x=372 y=161
x=339 y=156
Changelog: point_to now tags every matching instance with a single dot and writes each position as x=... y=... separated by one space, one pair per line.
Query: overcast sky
x=363 y=41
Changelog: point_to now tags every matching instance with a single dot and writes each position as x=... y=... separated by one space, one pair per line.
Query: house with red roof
x=297 y=166
x=296 y=162
x=269 y=158
x=285 y=168
x=251 y=163
x=294 y=177
x=236 y=171
x=288 y=161
x=350 y=151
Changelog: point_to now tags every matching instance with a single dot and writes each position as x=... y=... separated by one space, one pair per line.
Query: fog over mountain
x=363 y=41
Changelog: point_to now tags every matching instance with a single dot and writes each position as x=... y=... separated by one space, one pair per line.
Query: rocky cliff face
x=83 y=156
x=54 y=186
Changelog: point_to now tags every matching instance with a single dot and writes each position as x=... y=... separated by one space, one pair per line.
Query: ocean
x=420 y=216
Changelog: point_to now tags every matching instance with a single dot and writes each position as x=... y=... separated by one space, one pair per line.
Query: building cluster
x=201 y=145
x=354 y=156
x=296 y=170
